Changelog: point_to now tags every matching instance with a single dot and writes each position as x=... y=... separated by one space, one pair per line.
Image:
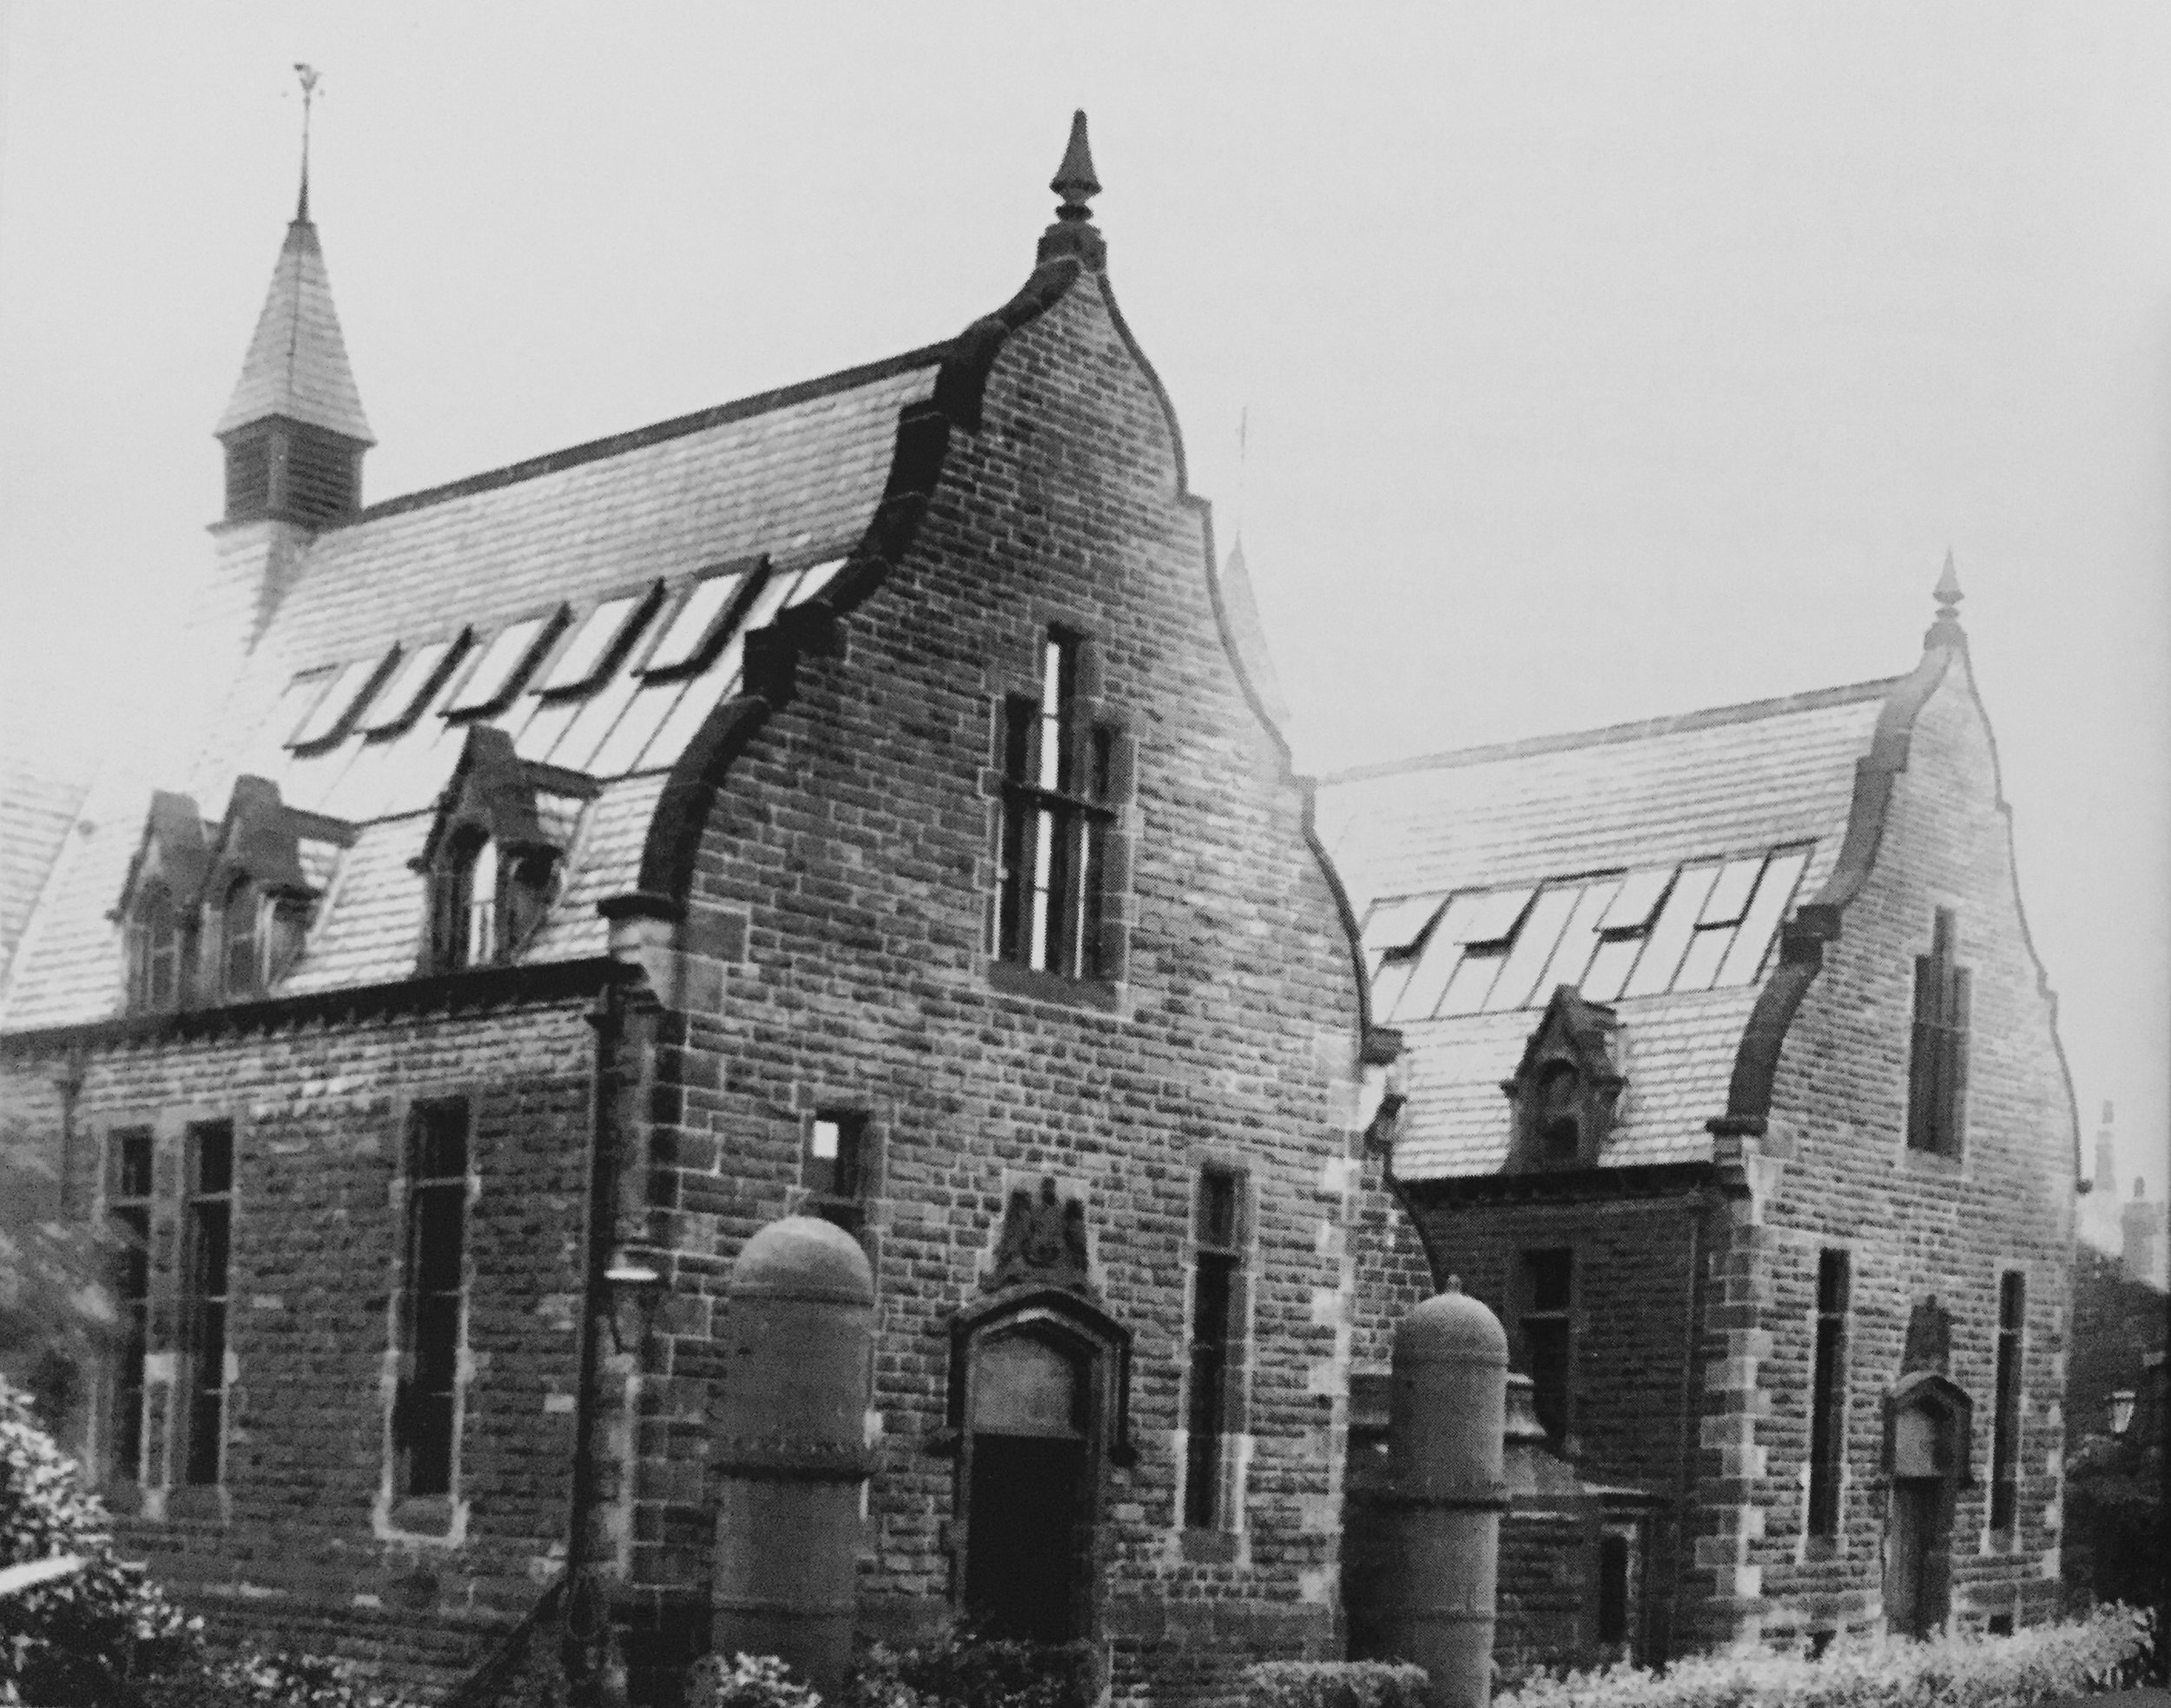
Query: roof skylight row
x=1697 y=926
x=619 y=690
x=322 y=705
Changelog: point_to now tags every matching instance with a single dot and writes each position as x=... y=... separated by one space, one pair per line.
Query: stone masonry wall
x=856 y=840
x=1834 y=1172
x=298 y=1546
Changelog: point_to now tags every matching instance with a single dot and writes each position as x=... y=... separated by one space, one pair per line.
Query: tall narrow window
x=1548 y=1288
x=1828 y=1397
x=833 y=1169
x=2012 y=1315
x=1938 y=1062
x=465 y=917
x=432 y=1297
x=1056 y=778
x=207 y=1241
x=128 y=1217
x=240 y=941
x=1217 y=1280
x=154 y=957
x=1612 y=1589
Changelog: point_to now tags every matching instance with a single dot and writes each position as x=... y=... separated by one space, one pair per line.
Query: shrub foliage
x=2030 y=1666
x=1334 y=1684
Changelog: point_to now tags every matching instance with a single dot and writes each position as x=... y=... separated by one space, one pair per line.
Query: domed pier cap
x=803 y=1257
x=1452 y=1328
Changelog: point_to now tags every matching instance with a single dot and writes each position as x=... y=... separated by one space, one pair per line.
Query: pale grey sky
x=1601 y=361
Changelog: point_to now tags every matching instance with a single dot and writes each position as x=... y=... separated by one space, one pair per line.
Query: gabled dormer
x=1567 y=1085
x=157 y=908
x=269 y=865
x=494 y=856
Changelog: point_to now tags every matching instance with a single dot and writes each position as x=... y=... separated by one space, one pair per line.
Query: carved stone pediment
x=1043 y=1241
x=1567 y=1085
x=1929 y=1339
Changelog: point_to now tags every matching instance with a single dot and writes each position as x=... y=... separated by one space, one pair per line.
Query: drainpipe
x=594 y=1666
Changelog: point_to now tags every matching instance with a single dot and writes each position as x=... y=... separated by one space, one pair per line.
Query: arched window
x=155 y=951
x=240 y=941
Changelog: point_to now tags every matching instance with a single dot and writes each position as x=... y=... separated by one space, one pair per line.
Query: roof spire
x=1073 y=232
x=308 y=73
x=1946 y=631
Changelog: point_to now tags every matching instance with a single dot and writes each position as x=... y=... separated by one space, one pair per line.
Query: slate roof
x=296 y=364
x=1732 y=782
x=791 y=476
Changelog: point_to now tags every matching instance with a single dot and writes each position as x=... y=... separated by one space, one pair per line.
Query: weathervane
x=309 y=75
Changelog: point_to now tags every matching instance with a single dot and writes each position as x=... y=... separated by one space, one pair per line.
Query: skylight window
x=1775 y=890
x=408 y=694
x=597 y=644
x=335 y=709
x=1715 y=923
x=1696 y=927
x=1396 y=928
x=299 y=699
x=498 y=671
x=699 y=624
x=1668 y=941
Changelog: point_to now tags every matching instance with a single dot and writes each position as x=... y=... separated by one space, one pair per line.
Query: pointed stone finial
x=1946 y=631
x=1074 y=181
x=309 y=77
x=1073 y=234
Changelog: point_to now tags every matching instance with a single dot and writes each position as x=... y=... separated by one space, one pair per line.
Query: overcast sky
x=1600 y=361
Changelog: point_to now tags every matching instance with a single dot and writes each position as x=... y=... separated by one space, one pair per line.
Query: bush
x=750 y=1681
x=262 y=1681
x=2031 y=1664
x=962 y=1671
x=74 y=1640
x=1334 y=1684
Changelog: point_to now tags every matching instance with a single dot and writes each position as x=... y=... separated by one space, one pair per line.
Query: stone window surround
x=435 y=1520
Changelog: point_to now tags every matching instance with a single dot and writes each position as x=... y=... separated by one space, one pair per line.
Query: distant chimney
x=2106 y=1156
x=2139 y=1223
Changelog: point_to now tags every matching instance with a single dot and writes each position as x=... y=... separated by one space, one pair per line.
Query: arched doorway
x=1928 y=1441
x=1038 y=1395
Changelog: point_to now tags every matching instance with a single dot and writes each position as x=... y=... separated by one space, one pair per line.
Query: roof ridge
x=633 y=438
x=1746 y=711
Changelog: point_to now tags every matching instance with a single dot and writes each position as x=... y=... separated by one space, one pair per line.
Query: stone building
x=845 y=799
x=1730 y=1082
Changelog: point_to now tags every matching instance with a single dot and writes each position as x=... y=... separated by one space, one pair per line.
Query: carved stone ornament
x=1929 y=1339
x=1043 y=1241
x=1565 y=1089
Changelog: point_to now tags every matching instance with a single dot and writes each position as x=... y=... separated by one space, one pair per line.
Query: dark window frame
x=156 y=940
x=837 y=1187
x=1059 y=805
x=207 y=1281
x=1545 y=1334
x=431 y=1316
x=131 y=1166
x=1938 y=1052
x=2012 y=1326
x=1828 y=1392
x=1213 y=1399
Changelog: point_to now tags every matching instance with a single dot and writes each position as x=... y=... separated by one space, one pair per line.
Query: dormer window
x=240 y=941
x=492 y=858
x=1565 y=1089
x=157 y=951
x=470 y=929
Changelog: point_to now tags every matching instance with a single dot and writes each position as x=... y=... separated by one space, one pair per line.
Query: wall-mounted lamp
x=2122 y=1410
x=634 y=1288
